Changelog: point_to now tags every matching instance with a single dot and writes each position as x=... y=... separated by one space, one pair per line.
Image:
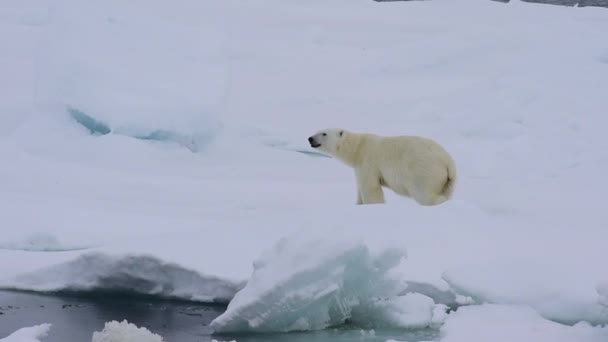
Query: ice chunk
x=411 y=311
x=137 y=274
x=310 y=284
x=29 y=334
x=125 y=332
x=506 y=323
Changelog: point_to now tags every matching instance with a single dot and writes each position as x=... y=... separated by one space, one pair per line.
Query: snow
x=513 y=324
x=29 y=334
x=124 y=331
x=192 y=186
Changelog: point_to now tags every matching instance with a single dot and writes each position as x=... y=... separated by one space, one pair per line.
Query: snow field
x=515 y=92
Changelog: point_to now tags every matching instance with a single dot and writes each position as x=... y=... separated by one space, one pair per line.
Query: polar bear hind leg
x=429 y=200
x=426 y=194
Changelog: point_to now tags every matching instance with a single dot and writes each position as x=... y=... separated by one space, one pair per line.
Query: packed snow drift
x=505 y=323
x=161 y=149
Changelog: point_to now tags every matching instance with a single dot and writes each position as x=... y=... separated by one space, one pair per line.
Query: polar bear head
x=327 y=140
x=339 y=143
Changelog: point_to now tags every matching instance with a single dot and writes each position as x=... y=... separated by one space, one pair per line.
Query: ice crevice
x=195 y=141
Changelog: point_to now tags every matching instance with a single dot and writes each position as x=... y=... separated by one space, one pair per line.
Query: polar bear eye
x=324 y=134
x=341 y=132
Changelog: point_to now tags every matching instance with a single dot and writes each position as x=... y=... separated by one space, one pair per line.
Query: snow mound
x=505 y=323
x=29 y=334
x=133 y=274
x=125 y=332
x=315 y=283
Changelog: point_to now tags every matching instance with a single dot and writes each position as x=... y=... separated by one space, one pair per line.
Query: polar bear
x=411 y=166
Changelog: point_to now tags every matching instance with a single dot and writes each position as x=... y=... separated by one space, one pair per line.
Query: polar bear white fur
x=411 y=166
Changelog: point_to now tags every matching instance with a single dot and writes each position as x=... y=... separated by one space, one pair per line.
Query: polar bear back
x=403 y=162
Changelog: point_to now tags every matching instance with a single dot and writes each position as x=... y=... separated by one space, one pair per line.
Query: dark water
x=75 y=317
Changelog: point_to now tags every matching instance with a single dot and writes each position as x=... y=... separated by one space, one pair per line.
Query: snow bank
x=125 y=332
x=29 y=334
x=136 y=274
x=505 y=323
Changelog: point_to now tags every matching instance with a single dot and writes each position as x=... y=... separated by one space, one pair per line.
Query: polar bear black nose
x=311 y=140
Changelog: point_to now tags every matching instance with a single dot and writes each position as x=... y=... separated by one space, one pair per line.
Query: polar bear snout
x=313 y=142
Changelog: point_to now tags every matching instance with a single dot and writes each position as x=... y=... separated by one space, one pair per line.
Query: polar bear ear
x=341 y=132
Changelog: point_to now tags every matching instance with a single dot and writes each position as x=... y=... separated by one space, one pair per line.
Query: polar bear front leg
x=369 y=188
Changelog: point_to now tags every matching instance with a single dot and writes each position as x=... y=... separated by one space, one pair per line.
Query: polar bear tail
x=448 y=188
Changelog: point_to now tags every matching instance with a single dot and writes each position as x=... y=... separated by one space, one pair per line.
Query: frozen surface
x=125 y=332
x=506 y=323
x=191 y=172
x=30 y=334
